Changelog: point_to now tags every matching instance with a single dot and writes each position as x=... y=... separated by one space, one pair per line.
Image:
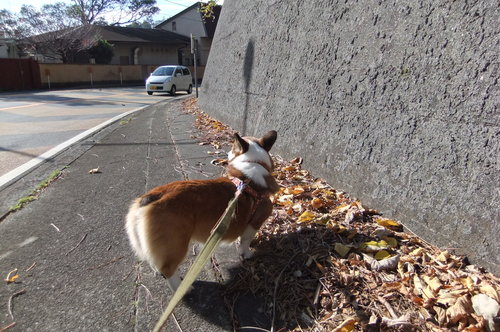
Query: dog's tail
x=149 y=198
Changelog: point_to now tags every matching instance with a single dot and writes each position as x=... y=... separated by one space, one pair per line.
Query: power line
x=179 y=4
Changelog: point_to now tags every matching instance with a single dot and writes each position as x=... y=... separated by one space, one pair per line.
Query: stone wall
x=395 y=102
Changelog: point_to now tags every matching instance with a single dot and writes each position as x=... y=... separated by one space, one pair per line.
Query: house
x=191 y=21
x=137 y=46
x=8 y=47
x=131 y=46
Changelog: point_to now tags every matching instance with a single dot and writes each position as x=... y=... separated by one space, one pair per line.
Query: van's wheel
x=150 y=93
x=190 y=89
x=173 y=90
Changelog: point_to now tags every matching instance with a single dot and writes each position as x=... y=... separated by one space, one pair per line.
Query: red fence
x=19 y=74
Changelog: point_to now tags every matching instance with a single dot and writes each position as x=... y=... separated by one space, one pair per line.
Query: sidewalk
x=70 y=248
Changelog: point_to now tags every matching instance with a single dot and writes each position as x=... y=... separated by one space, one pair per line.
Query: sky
x=167 y=8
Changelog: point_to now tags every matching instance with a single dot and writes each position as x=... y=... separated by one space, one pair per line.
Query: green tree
x=144 y=25
x=102 y=52
x=207 y=9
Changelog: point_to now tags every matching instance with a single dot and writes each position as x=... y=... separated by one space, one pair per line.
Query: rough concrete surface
x=395 y=102
x=70 y=247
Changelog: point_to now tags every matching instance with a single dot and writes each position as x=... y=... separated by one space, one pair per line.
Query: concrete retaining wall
x=395 y=102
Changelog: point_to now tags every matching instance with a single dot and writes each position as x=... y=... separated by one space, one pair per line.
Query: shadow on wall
x=247 y=77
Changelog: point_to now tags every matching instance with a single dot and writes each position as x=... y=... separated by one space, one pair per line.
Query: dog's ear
x=268 y=140
x=240 y=146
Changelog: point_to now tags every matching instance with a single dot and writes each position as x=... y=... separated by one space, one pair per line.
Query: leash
x=213 y=240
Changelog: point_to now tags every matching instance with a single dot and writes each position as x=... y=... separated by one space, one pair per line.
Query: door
x=177 y=79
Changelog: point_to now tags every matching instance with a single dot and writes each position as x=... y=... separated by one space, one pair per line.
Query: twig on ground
x=8 y=279
x=253 y=328
x=116 y=259
x=388 y=306
x=29 y=268
x=83 y=238
x=57 y=228
x=9 y=303
x=3 y=329
x=316 y=294
x=401 y=321
x=148 y=294
x=130 y=272
x=176 y=322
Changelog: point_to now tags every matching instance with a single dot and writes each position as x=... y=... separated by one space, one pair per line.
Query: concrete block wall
x=395 y=102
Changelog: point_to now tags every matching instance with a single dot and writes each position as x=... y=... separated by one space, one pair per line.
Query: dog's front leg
x=245 y=240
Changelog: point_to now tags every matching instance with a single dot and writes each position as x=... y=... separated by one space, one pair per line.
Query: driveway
x=32 y=123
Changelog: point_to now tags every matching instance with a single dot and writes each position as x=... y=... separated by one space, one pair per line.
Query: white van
x=170 y=79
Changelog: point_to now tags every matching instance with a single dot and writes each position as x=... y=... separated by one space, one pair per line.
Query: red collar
x=238 y=183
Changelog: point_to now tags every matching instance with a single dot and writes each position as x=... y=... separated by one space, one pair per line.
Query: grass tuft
x=36 y=192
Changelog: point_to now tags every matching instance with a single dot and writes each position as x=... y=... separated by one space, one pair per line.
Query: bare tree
x=114 y=12
x=63 y=44
x=61 y=31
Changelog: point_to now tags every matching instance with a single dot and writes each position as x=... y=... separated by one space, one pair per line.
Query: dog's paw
x=247 y=254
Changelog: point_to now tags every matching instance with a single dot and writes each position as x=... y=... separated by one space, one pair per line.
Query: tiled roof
x=117 y=34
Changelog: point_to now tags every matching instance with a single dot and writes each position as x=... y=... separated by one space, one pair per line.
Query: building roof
x=157 y=36
x=209 y=23
x=171 y=18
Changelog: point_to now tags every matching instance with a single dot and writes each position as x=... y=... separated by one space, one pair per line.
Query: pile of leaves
x=325 y=262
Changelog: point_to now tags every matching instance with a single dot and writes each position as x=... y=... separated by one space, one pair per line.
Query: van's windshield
x=163 y=71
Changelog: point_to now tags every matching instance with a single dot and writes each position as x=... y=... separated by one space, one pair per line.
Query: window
x=185 y=71
x=124 y=60
x=174 y=26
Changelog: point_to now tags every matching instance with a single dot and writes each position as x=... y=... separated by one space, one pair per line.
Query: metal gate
x=19 y=74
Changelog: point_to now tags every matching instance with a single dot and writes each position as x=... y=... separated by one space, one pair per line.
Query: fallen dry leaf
x=346 y=326
x=306 y=216
x=94 y=171
x=461 y=309
x=317 y=203
x=433 y=283
x=443 y=256
x=489 y=290
x=374 y=246
x=382 y=254
x=389 y=223
x=342 y=249
x=390 y=263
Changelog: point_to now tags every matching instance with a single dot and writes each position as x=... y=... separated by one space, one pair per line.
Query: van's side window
x=185 y=71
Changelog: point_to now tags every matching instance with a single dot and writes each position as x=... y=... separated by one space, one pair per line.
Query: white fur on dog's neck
x=248 y=163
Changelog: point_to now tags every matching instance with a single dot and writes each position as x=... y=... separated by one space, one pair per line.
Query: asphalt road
x=32 y=123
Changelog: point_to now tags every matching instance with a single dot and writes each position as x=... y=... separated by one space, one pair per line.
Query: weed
x=125 y=121
x=36 y=192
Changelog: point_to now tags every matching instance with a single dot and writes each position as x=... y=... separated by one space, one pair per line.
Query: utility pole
x=194 y=50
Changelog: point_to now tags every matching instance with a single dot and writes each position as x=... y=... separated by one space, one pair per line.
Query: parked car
x=170 y=79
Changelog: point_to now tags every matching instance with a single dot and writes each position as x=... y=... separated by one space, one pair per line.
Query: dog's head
x=249 y=159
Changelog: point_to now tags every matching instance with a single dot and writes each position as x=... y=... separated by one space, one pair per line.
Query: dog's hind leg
x=168 y=248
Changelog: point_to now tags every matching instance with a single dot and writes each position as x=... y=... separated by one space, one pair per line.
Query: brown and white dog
x=162 y=222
